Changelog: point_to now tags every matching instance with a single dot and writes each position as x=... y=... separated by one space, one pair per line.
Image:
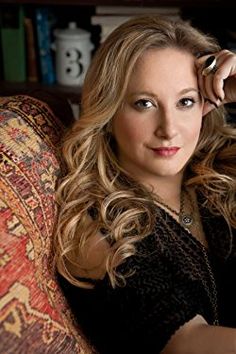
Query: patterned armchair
x=34 y=316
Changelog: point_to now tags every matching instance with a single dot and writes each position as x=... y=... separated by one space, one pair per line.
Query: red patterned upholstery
x=34 y=317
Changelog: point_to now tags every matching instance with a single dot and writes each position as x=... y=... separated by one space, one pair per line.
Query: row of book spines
x=24 y=57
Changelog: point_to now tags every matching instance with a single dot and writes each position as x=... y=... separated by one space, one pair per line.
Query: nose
x=167 y=125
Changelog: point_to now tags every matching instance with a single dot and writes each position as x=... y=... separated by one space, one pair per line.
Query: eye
x=186 y=102
x=143 y=104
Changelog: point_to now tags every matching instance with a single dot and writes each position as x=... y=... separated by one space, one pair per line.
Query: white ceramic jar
x=73 y=54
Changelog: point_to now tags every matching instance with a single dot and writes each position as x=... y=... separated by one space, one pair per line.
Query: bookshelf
x=186 y=3
x=212 y=16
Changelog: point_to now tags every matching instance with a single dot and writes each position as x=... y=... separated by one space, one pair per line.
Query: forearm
x=197 y=337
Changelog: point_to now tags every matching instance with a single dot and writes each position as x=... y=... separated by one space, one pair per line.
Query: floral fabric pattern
x=34 y=316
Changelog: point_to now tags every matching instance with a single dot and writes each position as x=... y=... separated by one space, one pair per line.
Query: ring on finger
x=209 y=66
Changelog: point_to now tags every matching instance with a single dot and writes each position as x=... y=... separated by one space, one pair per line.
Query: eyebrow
x=147 y=93
x=189 y=90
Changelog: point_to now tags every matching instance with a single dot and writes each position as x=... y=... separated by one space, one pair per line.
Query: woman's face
x=157 y=128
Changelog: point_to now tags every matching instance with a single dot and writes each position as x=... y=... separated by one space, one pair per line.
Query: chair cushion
x=34 y=316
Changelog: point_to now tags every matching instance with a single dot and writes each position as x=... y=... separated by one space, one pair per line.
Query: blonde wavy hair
x=95 y=183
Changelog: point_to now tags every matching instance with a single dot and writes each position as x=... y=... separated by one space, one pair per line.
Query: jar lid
x=71 y=31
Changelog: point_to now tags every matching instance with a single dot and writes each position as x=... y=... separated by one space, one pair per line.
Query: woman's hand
x=219 y=86
x=197 y=336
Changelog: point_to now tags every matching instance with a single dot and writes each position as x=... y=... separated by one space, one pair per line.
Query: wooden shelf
x=79 y=2
x=181 y=3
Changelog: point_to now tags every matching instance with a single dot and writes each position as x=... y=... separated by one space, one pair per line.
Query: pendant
x=187 y=220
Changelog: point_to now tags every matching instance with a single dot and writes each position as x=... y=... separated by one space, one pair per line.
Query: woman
x=145 y=241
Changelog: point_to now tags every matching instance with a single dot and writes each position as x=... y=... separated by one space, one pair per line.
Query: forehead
x=167 y=67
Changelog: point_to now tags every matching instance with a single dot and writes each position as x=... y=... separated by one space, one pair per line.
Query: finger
x=208 y=107
x=200 y=62
x=201 y=82
x=210 y=82
x=227 y=68
x=218 y=86
x=222 y=72
x=205 y=80
x=208 y=86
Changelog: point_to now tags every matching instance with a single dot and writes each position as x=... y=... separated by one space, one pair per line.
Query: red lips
x=166 y=151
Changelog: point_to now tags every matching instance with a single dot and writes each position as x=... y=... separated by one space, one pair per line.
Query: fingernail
x=220 y=99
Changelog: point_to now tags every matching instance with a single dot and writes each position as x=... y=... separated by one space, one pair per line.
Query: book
x=110 y=22
x=1 y=61
x=44 y=45
x=119 y=19
x=31 y=59
x=13 y=43
x=136 y=10
x=107 y=20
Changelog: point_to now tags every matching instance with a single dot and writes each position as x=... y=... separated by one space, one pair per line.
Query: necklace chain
x=185 y=219
x=212 y=295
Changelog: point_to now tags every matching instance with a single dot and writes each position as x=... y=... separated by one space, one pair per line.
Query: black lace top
x=171 y=285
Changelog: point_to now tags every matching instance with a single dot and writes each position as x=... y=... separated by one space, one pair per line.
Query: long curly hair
x=95 y=182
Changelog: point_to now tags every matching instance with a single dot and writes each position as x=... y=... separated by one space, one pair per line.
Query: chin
x=171 y=172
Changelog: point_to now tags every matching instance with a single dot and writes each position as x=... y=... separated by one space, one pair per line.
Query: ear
x=208 y=107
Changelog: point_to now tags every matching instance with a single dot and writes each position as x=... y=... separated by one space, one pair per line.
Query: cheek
x=194 y=132
x=128 y=129
x=196 y=119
